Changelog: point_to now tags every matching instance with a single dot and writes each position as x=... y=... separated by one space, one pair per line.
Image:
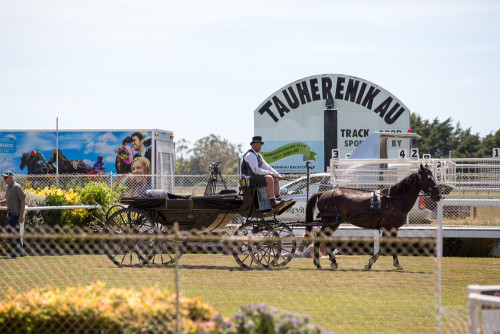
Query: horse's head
x=24 y=160
x=427 y=183
x=53 y=157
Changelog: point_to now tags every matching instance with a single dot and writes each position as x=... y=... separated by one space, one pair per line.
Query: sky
x=200 y=67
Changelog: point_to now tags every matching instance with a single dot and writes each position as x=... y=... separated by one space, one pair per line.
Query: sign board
x=79 y=150
x=335 y=154
x=496 y=153
x=295 y=127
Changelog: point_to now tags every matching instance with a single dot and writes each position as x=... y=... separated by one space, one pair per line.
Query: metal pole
x=439 y=246
x=57 y=152
x=307 y=180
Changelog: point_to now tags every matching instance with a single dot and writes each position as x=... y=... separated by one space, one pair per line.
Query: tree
x=490 y=142
x=437 y=138
x=441 y=139
x=196 y=160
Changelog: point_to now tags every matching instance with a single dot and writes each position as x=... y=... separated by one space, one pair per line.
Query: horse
x=66 y=166
x=384 y=210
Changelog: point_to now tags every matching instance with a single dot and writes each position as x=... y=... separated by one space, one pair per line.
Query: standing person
x=15 y=200
x=260 y=173
x=142 y=169
x=140 y=147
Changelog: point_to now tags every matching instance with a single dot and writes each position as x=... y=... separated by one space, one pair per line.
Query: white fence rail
x=486 y=299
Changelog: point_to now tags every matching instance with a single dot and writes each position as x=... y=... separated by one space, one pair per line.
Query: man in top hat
x=15 y=200
x=260 y=173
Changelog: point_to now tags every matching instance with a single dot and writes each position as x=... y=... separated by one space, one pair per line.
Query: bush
x=99 y=193
x=93 y=193
x=60 y=197
x=95 y=309
x=263 y=319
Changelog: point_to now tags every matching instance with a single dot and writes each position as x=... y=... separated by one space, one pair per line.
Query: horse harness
x=374 y=212
x=375 y=203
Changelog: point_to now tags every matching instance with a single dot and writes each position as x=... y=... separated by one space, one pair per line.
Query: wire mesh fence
x=228 y=269
x=244 y=262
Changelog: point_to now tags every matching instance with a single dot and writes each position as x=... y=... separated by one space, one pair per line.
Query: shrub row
x=93 y=193
x=97 y=309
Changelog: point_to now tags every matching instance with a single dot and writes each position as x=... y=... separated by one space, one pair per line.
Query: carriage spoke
x=129 y=252
x=288 y=247
x=256 y=254
x=163 y=251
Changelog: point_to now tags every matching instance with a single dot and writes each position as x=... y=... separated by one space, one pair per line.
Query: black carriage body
x=157 y=213
x=202 y=213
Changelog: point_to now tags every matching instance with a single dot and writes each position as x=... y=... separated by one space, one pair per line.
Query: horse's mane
x=405 y=184
x=61 y=154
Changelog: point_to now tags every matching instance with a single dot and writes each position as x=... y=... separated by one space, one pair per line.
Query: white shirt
x=264 y=169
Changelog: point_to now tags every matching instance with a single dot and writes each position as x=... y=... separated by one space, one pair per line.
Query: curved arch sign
x=306 y=119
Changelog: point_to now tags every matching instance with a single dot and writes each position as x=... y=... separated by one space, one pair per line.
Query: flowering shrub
x=96 y=309
x=264 y=319
x=92 y=193
x=99 y=193
x=59 y=197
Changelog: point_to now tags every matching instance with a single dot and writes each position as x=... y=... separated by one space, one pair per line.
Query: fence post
x=177 y=287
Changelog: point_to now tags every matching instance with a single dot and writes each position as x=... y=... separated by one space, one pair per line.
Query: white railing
x=487 y=299
x=464 y=174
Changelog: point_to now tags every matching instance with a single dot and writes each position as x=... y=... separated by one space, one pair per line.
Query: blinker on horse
x=356 y=207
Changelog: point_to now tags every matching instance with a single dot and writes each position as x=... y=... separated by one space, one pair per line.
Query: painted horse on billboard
x=35 y=163
x=66 y=166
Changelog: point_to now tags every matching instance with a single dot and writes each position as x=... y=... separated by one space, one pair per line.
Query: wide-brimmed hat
x=257 y=139
x=8 y=173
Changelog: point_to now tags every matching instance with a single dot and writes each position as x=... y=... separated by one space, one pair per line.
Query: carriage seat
x=263 y=199
x=159 y=193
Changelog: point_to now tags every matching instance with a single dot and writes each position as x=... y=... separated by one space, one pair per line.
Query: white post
x=376 y=241
x=57 y=152
x=439 y=231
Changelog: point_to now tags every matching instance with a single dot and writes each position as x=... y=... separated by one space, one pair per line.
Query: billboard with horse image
x=76 y=151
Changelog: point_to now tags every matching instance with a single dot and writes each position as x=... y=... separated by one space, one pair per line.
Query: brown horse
x=66 y=166
x=385 y=211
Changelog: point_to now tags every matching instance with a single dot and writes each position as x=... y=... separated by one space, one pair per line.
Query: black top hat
x=257 y=139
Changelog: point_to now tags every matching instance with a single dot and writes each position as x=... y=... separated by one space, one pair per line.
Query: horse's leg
x=374 y=258
x=304 y=243
x=395 y=247
x=317 y=244
x=329 y=246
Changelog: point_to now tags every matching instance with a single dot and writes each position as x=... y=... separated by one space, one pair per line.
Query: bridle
x=421 y=185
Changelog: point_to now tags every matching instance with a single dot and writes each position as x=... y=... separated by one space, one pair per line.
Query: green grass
x=348 y=300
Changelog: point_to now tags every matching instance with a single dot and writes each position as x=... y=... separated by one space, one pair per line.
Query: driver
x=260 y=173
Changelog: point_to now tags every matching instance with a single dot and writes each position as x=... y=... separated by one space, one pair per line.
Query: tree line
x=443 y=140
x=439 y=139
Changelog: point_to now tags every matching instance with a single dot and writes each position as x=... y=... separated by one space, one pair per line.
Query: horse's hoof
x=367 y=267
x=398 y=267
x=334 y=266
x=318 y=266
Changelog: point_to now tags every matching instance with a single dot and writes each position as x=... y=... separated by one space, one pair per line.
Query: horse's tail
x=311 y=203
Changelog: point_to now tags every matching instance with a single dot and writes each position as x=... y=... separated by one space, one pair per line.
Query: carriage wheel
x=256 y=254
x=288 y=247
x=113 y=209
x=129 y=252
x=163 y=251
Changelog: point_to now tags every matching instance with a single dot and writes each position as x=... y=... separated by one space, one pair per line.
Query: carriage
x=264 y=241
x=158 y=211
